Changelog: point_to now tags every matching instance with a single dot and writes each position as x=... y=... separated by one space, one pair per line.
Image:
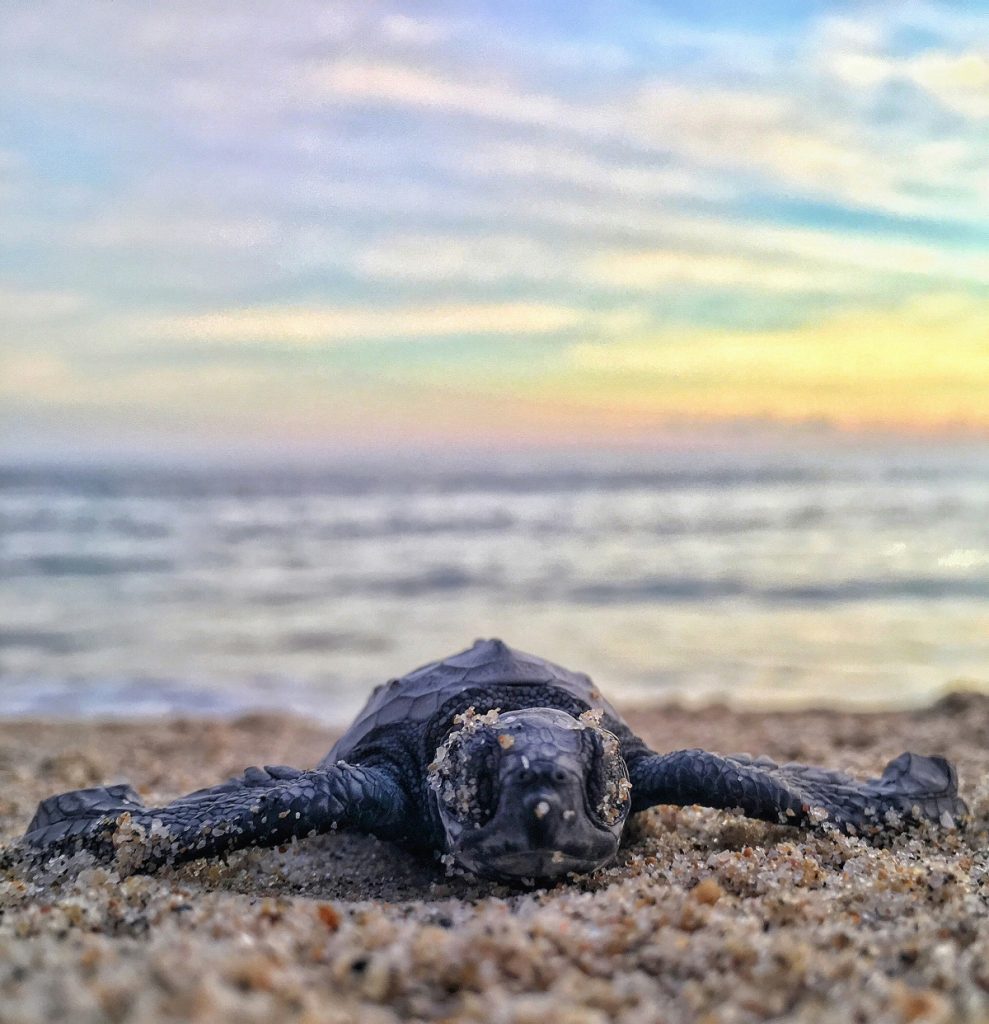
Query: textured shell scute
x=416 y=697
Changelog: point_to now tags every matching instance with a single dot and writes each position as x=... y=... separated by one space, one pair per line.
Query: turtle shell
x=416 y=697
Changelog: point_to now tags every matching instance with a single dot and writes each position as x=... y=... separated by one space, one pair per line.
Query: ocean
x=793 y=578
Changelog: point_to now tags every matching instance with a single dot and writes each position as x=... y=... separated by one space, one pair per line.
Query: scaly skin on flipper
x=911 y=786
x=513 y=766
x=262 y=809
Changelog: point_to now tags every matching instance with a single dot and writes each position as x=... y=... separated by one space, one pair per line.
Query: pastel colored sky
x=317 y=225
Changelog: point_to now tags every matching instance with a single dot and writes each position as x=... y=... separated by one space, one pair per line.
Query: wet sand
x=704 y=917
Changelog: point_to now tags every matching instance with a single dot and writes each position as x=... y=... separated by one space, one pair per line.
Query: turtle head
x=530 y=794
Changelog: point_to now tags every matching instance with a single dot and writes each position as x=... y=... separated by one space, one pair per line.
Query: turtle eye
x=609 y=791
x=464 y=775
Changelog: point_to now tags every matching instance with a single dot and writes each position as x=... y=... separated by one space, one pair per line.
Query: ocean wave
x=83 y=565
x=46 y=641
x=290 y=483
x=442 y=579
x=681 y=588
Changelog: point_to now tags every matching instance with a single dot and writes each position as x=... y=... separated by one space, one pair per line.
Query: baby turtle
x=515 y=767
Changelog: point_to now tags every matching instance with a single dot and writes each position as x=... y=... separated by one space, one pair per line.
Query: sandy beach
x=704 y=917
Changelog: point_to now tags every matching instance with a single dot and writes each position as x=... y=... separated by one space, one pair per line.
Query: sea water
x=841 y=578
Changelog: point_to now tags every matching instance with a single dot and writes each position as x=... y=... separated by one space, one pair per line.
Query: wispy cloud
x=162 y=232
x=34 y=376
x=397 y=86
x=328 y=326
x=489 y=259
x=953 y=71
x=20 y=306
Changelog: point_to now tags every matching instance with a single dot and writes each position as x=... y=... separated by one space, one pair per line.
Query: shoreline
x=138 y=709
x=704 y=916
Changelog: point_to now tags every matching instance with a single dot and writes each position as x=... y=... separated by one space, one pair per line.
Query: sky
x=250 y=226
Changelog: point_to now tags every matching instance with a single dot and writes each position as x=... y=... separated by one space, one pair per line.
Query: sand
x=704 y=917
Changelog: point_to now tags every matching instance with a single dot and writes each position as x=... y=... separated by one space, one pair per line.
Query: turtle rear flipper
x=911 y=787
x=70 y=814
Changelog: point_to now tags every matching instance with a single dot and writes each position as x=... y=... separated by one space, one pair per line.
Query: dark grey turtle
x=513 y=766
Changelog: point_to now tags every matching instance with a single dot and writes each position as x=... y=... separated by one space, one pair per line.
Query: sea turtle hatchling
x=513 y=766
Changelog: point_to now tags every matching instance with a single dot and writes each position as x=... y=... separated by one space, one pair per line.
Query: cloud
x=760 y=264
x=862 y=252
x=653 y=269
x=701 y=251
x=863 y=53
x=817 y=138
x=485 y=259
x=694 y=130
x=504 y=259
x=959 y=80
x=327 y=326
x=23 y=374
x=791 y=142
x=418 y=31
x=396 y=85
x=144 y=229
x=559 y=164
x=21 y=307
x=175 y=399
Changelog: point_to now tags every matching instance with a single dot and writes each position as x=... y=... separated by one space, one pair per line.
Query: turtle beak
x=540 y=828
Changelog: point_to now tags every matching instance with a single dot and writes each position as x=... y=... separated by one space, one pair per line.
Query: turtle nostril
x=559 y=775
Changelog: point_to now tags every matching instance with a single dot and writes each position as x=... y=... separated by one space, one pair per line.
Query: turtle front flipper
x=65 y=815
x=265 y=808
x=911 y=787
